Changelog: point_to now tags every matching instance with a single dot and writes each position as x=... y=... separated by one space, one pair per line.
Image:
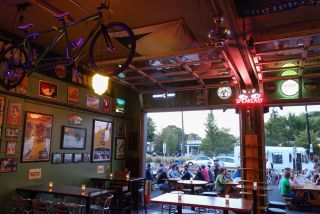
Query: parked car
x=225 y=161
x=203 y=160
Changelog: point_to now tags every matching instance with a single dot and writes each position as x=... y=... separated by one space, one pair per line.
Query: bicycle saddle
x=25 y=27
x=61 y=15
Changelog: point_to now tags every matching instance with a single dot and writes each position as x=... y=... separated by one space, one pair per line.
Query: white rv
x=283 y=157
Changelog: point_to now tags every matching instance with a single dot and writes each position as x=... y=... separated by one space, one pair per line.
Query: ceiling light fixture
x=100 y=83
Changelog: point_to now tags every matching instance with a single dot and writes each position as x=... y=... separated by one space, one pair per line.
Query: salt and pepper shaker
x=255 y=185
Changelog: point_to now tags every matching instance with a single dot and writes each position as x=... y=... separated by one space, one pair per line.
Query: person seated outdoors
x=236 y=173
x=186 y=174
x=205 y=173
x=199 y=175
x=292 y=179
x=286 y=189
x=177 y=172
x=162 y=181
x=148 y=173
x=221 y=180
x=314 y=178
x=160 y=169
x=307 y=174
x=216 y=170
x=172 y=171
x=211 y=175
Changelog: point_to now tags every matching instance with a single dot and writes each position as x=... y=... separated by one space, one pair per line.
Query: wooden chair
x=21 y=205
x=103 y=204
x=60 y=208
x=138 y=191
x=41 y=207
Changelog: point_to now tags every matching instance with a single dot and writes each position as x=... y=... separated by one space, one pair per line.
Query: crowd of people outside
x=215 y=174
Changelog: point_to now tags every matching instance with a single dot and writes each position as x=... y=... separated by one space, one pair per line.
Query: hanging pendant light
x=100 y=83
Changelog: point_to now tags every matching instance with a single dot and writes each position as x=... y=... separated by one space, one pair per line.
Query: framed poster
x=67 y=158
x=8 y=164
x=73 y=137
x=86 y=157
x=11 y=147
x=12 y=132
x=56 y=158
x=47 y=89
x=102 y=141
x=120 y=105
x=14 y=113
x=35 y=174
x=93 y=101
x=73 y=94
x=106 y=104
x=120 y=143
x=77 y=157
x=37 y=137
x=122 y=128
x=2 y=104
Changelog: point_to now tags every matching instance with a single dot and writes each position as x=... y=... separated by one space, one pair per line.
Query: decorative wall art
x=93 y=101
x=47 y=89
x=11 y=147
x=73 y=94
x=102 y=141
x=74 y=119
x=106 y=104
x=56 y=158
x=14 y=113
x=37 y=137
x=2 y=104
x=12 y=132
x=120 y=143
x=73 y=138
x=67 y=158
x=8 y=164
x=86 y=157
x=77 y=157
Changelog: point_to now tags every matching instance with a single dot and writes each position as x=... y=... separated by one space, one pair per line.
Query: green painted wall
x=74 y=173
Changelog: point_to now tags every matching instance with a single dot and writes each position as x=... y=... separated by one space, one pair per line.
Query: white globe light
x=100 y=83
x=290 y=87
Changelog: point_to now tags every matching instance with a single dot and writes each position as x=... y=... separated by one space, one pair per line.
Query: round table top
x=194 y=182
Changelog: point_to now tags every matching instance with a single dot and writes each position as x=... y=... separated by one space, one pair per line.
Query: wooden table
x=229 y=186
x=235 y=204
x=250 y=187
x=73 y=191
x=310 y=189
x=192 y=183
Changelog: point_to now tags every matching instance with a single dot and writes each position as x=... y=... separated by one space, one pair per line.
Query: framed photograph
x=14 y=113
x=2 y=104
x=106 y=104
x=86 y=157
x=12 y=132
x=47 y=89
x=122 y=128
x=77 y=157
x=11 y=147
x=56 y=158
x=67 y=158
x=102 y=141
x=93 y=101
x=120 y=105
x=8 y=164
x=73 y=94
x=120 y=143
x=73 y=137
x=37 y=137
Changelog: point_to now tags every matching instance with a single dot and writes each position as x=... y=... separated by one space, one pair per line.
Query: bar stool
x=272 y=210
x=20 y=204
x=60 y=208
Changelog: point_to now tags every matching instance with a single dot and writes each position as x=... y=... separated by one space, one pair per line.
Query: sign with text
x=100 y=169
x=249 y=99
x=35 y=174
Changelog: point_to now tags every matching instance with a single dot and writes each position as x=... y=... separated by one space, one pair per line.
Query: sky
x=194 y=120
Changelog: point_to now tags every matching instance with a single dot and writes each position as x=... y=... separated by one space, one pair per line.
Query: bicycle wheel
x=13 y=66
x=114 y=40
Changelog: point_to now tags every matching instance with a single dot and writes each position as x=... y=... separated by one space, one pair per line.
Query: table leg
x=255 y=209
x=225 y=211
x=179 y=209
x=192 y=193
x=87 y=205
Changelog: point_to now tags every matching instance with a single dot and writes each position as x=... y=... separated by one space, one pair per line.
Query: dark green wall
x=74 y=173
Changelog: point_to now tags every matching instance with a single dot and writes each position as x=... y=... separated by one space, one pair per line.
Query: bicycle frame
x=63 y=32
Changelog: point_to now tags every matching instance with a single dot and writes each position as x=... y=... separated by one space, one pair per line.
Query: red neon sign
x=249 y=99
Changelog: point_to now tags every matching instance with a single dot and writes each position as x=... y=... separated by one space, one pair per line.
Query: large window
x=277 y=158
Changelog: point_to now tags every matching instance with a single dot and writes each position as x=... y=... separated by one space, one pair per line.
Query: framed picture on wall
x=93 y=101
x=86 y=157
x=120 y=143
x=8 y=164
x=37 y=137
x=106 y=104
x=2 y=104
x=102 y=141
x=67 y=158
x=73 y=137
x=73 y=94
x=12 y=132
x=11 y=147
x=77 y=157
x=14 y=113
x=47 y=89
x=56 y=158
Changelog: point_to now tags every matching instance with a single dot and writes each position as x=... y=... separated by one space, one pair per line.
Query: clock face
x=224 y=92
